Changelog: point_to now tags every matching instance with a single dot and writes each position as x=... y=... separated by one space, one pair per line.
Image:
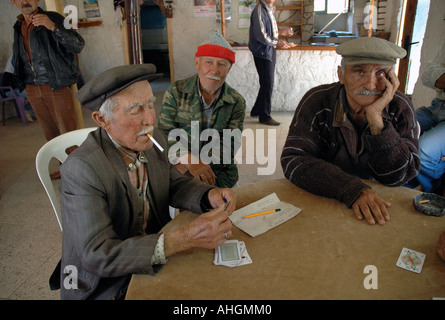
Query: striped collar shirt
x=271 y=12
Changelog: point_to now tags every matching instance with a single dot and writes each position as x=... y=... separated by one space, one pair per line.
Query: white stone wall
x=103 y=44
x=296 y=72
x=7 y=19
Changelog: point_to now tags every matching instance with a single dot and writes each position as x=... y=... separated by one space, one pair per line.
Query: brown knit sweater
x=325 y=155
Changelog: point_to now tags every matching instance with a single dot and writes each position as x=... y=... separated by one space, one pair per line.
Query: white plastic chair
x=55 y=148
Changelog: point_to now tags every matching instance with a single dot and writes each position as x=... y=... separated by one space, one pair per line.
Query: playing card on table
x=411 y=260
x=231 y=254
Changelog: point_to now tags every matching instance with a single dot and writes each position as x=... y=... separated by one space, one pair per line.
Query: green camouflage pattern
x=181 y=106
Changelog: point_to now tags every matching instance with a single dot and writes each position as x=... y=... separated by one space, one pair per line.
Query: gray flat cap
x=370 y=50
x=109 y=82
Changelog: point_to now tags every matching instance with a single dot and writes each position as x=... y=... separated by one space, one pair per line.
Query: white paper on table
x=258 y=225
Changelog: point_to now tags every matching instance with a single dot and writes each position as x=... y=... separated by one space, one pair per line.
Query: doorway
x=411 y=34
x=154 y=37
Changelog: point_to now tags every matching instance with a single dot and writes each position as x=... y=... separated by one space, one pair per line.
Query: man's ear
x=100 y=119
x=340 y=75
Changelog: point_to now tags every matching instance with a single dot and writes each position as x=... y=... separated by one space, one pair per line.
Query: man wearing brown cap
x=116 y=189
x=207 y=101
x=358 y=128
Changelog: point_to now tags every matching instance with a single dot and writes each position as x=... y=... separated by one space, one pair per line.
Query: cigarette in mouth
x=155 y=142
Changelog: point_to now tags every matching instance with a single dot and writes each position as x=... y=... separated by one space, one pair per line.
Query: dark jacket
x=261 y=40
x=53 y=52
x=325 y=155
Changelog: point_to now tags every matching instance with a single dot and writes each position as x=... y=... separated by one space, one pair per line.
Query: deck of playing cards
x=231 y=254
x=411 y=260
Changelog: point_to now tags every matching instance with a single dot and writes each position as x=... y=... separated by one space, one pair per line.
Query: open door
x=411 y=33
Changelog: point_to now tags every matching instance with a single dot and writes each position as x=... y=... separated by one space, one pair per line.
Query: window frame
x=325 y=11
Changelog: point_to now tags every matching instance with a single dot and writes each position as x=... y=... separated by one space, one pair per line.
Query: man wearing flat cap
x=116 y=189
x=207 y=100
x=358 y=128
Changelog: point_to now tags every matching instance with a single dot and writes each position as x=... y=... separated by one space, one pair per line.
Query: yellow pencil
x=261 y=213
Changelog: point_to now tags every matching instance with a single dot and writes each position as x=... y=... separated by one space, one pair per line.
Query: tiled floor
x=30 y=238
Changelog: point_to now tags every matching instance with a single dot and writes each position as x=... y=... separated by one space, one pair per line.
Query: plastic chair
x=56 y=148
x=19 y=103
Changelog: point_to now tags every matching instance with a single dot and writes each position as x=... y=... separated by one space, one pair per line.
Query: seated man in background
x=116 y=189
x=358 y=128
x=432 y=125
x=206 y=99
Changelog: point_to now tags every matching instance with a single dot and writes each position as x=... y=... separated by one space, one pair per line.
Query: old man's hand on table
x=208 y=230
x=371 y=206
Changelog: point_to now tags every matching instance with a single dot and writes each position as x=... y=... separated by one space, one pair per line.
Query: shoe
x=29 y=116
x=55 y=175
x=270 y=122
x=254 y=115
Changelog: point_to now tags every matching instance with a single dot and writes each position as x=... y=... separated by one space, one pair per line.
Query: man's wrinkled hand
x=203 y=172
x=374 y=111
x=208 y=230
x=372 y=207
x=40 y=19
x=197 y=169
x=221 y=197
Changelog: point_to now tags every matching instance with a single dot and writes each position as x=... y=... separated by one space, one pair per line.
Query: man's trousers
x=54 y=109
x=266 y=74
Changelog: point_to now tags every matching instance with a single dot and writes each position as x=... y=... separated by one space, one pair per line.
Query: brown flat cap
x=370 y=50
x=109 y=82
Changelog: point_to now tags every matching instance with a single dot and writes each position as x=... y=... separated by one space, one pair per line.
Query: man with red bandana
x=207 y=99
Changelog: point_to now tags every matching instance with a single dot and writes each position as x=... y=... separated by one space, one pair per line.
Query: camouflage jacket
x=181 y=109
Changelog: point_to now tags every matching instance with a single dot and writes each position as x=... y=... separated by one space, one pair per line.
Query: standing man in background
x=45 y=65
x=263 y=41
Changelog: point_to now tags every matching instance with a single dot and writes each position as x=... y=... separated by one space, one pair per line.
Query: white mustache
x=369 y=93
x=145 y=131
x=214 y=78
